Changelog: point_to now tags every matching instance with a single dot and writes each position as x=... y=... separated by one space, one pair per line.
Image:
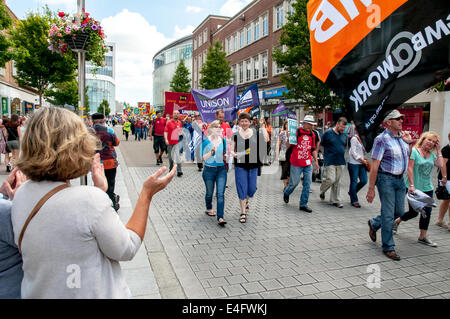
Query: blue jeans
x=392 y=197
x=138 y=134
x=296 y=173
x=356 y=171
x=215 y=176
x=246 y=182
x=144 y=132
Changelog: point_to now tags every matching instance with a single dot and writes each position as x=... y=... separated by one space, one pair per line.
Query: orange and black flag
x=377 y=54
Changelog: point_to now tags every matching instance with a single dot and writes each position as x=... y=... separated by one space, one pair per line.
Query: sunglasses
x=398 y=119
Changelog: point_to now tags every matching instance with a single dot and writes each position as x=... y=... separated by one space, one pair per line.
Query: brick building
x=248 y=38
x=15 y=99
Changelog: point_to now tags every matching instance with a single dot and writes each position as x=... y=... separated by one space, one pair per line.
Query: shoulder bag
x=36 y=210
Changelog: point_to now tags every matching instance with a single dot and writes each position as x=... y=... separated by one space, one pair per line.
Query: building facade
x=14 y=98
x=102 y=83
x=165 y=63
x=248 y=39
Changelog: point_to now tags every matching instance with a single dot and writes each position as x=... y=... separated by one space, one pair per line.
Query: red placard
x=182 y=102
x=413 y=122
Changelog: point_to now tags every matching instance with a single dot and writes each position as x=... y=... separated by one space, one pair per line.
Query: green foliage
x=63 y=93
x=37 y=66
x=104 y=108
x=5 y=23
x=216 y=72
x=297 y=62
x=181 y=81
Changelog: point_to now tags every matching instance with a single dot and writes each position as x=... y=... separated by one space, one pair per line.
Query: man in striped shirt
x=390 y=158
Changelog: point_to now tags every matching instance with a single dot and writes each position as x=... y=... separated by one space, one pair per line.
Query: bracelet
x=411 y=185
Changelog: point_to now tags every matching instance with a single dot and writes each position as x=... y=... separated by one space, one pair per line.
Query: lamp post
x=82 y=79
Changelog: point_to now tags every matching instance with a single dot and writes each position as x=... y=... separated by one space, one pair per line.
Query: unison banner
x=181 y=102
x=210 y=101
x=377 y=54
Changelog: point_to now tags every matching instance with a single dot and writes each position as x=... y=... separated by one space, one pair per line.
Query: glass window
x=265 y=65
x=195 y=44
x=235 y=40
x=280 y=16
x=205 y=36
x=248 y=73
x=241 y=39
x=265 y=25
x=256 y=37
x=241 y=72
x=230 y=50
x=233 y=70
x=249 y=34
x=256 y=68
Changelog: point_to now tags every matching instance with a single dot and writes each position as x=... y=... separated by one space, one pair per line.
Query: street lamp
x=81 y=78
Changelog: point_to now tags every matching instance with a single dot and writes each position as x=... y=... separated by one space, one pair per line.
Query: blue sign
x=275 y=93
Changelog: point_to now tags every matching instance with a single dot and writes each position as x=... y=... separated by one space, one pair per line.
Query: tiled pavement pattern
x=284 y=253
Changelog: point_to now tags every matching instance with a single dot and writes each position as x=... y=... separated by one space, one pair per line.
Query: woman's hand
x=13 y=183
x=156 y=183
x=98 y=174
x=411 y=189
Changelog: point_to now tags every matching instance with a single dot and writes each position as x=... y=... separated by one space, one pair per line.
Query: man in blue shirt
x=11 y=273
x=334 y=142
x=390 y=157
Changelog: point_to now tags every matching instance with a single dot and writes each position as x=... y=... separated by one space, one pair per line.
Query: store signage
x=270 y=94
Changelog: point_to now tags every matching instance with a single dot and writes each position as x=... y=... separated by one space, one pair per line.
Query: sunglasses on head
x=398 y=118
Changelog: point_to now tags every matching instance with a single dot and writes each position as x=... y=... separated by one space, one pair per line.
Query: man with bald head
x=172 y=134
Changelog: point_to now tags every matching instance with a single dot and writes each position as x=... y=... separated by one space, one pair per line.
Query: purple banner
x=210 y=101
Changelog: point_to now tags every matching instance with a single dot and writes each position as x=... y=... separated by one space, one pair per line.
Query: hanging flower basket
x=77 y=42
x=79 y=32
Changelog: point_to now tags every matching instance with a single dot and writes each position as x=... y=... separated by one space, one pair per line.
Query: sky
x=140 y=28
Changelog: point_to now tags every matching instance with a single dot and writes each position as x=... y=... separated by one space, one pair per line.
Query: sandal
x=222 y=222
x=243 y=218
x=211 y=214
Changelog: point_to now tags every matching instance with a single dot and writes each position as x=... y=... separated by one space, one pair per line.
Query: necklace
x=424 y=153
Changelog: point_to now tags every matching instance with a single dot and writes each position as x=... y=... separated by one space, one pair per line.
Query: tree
x=216 y=72
x=63 y=93
x=37 y=66
x=296 y=60
x=181 y=81
x=5 y=23
x=104 y=108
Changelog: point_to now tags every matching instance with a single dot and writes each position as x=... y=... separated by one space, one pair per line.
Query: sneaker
x=395 y=228
x=322 y=196
x=179 y=174
x=306 y=209
x=286 y=198
x=427 y=242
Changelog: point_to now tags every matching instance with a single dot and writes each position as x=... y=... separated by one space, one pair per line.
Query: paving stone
x=306 y=290
x=216 y=292
x=234 y=290
x=305 y=279
x=290 y=293
x=253 y=287
x=345 y=294
x=271 y=284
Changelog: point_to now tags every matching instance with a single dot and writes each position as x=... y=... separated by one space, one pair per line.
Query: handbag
x=2 y=144
x=442 y=193
x=225 y=156
x=282 y=156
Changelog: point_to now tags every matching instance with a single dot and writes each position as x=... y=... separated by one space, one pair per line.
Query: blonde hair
x=215 y=124
x=426 y=135
x=56 y=146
